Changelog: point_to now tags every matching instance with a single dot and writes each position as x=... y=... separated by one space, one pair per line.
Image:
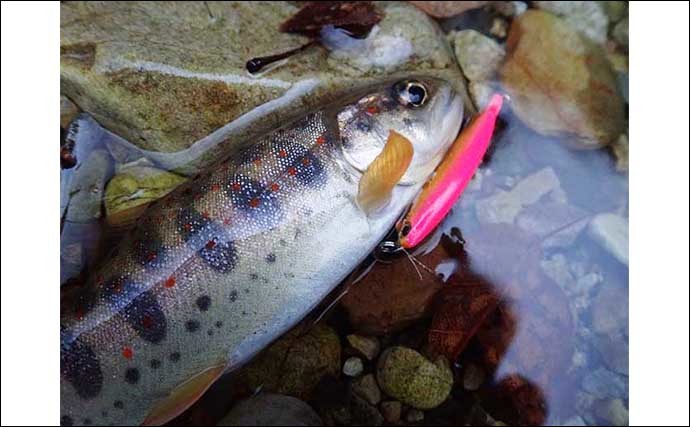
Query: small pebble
x=367 y=346
x=473 y=377
x=353 y=367
x=391 y=411
x=367 y=388
x=414 y=416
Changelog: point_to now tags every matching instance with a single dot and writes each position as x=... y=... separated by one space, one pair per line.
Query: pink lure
x=451 y=177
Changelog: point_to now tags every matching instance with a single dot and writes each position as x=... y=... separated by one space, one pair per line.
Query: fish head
x=425 y=110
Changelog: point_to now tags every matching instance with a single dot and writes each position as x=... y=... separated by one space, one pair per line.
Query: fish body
x=226 y=263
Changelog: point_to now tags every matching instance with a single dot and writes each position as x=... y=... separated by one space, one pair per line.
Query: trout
x=219 y=268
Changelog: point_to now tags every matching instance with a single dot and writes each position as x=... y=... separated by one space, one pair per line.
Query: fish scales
x=219 y=268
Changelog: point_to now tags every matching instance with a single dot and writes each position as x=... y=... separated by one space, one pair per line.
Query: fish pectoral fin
x=183 y=396
x=384 y=173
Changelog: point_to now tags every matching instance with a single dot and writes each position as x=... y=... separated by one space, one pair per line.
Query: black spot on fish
x=219 y=324
x=254 y=276
x=174 y=356
x=66 y=421
x=146 y=317
x=149 y=252
x=132 y=375
x=310 y=170
x=203 y=302
x=363 y=125
x=210 y=332
x=220 y=256
x=271 y=258
x=192 y=325
x=233 y=296
x=255 y=200
x=118 y=404
x=190 y=223
x=282 y=242
x=80 y=367
x=155 y=363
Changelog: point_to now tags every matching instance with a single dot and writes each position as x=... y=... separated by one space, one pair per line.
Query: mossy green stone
x=406 y=375
x=296 y=363
x=138 y=185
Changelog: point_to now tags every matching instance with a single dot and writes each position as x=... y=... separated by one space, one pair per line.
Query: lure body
x=451 y=177
x=220 y=267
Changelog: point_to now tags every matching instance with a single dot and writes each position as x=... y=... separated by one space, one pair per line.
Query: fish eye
x=410 y=93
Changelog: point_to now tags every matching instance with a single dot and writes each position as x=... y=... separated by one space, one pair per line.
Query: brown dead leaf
x=356 y=17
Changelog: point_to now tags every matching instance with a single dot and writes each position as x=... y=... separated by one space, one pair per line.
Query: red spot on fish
x=226 y=221
x=321 y=140
x=282 y=153
x=99 y=280
x=275 y=187
x=292 y=171
x=147 y=321
x=210 y=244
x=117 y=286
x=127 y=353
x=254 y=202
x=151 y=256
x=170 y=282
x=306 y=161
x=372 y=109
x=215 y=187
x=79 y=313
x=197 y=196
x=257 y=162
x=188 y=227
x=205 y=214
x=171 y=214
x=236 y=186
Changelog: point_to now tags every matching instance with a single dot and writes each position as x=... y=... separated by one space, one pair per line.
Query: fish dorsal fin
x=183 y=396
x=382 y=175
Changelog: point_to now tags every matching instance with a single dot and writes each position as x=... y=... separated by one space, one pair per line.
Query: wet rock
x=504 y=206
x=561 y=84
x=68 y=111
x=353 y=367
x=575 y=421
x=130 y=191
x=620 y=32
x=479 y=56
x=620 y=150
x=499 y=28
x=509 y=9
x=409 y=377
x=611 y=232
x=165 y=75
x=86 y=187
x=296 y=363
x=602 y=383
x=557 y=224
x=446 y=9
x=391 y=411
x=414 y=416
x=473 y=377
x=367 y=388
x=615 y=10
x=604 y=319
x=613 y=412
x=614 y=351
x=366 y=346
x=268 y=409
x=587 y=17
x=393 y=295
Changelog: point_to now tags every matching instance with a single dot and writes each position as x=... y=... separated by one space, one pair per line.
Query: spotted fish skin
x=223 y=265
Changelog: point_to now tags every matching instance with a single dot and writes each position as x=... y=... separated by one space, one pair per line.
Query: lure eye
x=411 y=93
x=405 y=230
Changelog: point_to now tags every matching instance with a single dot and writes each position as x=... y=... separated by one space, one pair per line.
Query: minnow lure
x=452 y=176
x=223 y=265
